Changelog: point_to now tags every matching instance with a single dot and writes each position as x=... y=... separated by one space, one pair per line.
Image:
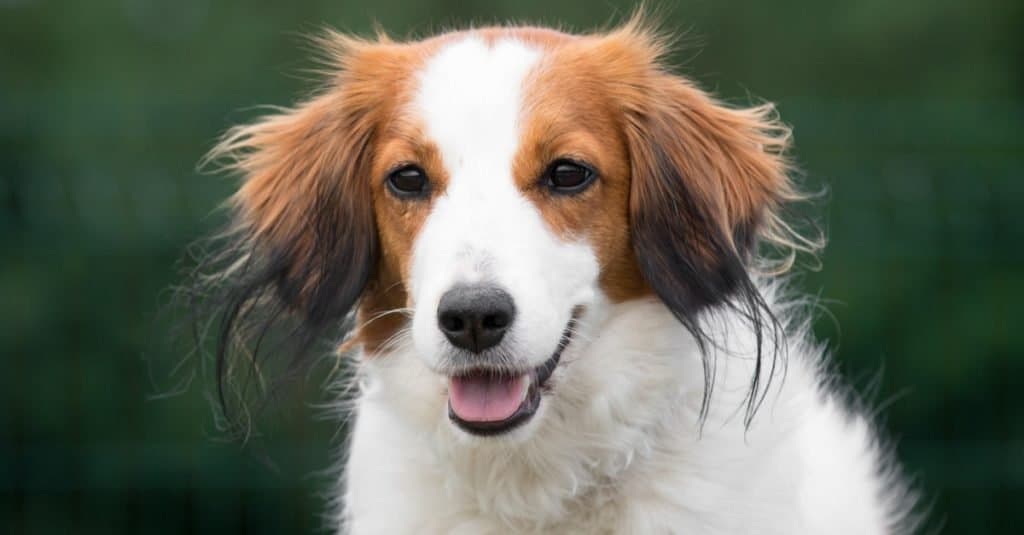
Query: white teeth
x=527 y=379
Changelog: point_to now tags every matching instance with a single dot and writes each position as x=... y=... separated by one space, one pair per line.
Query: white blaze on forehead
x=470 y=101
x=470 y=98
x=482 y=229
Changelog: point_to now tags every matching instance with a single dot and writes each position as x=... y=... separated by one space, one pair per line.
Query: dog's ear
x=303 y=242
x=707 y=180
x=303 y=212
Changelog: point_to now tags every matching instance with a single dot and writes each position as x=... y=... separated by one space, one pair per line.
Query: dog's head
x=474 y=194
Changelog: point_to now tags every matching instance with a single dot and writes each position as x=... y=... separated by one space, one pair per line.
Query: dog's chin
x=493 y=402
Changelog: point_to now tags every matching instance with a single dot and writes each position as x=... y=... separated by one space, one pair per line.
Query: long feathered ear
x=304 y=212
x=707 y=181
x=302 y=243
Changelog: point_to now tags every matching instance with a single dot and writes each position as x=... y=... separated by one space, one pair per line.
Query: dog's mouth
x=487 y=401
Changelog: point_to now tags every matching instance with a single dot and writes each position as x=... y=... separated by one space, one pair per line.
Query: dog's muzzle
x=489 y=401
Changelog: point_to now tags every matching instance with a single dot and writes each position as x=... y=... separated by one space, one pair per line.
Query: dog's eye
x=408 y=182
x=565 y=176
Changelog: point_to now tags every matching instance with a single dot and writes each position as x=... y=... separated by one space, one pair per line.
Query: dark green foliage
x=911 y=112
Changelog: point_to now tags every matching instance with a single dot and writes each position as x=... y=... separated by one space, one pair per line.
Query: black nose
x=475 y=318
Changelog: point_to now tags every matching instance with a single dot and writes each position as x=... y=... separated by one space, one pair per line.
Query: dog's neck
x=627 y=393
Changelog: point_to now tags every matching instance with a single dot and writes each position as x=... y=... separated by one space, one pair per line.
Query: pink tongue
x=484 y=397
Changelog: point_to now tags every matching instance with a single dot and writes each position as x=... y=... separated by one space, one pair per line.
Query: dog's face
x=489 y=196
x=481 y=191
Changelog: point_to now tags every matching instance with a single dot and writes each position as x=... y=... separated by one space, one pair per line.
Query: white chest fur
x=620 y=448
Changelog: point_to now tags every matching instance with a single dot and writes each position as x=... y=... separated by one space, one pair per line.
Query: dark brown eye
x=568 y=177
x=408 y=182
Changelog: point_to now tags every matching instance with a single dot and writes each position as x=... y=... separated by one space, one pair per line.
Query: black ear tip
x=694 y=266
x=276 y=303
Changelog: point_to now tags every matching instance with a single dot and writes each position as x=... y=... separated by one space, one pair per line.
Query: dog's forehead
x=469 y=98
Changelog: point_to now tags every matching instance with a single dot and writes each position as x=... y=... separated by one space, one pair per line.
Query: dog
x=561 y=268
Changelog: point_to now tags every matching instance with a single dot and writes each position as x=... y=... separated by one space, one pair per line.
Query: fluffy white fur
x=620 y=448
x=618 y=445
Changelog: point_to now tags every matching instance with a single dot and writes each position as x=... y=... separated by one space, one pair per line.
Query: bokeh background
x=911 y=112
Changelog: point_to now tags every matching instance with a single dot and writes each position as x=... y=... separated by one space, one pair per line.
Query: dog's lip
x=538 y=380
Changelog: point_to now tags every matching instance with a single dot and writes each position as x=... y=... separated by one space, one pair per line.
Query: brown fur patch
x=606 y=100
x=382 y=311
x=570 y=114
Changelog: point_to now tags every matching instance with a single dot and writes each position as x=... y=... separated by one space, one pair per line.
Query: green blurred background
x=911 y=111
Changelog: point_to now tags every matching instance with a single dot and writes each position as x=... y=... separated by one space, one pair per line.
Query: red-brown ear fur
x=305 y=199
x=730 y=161
x=303 y=242
x=707 y=181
